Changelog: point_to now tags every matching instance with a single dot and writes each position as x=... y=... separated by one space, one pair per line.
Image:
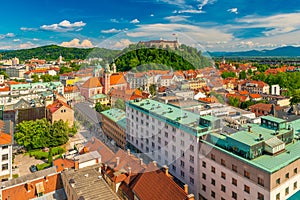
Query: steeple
x=114 y=68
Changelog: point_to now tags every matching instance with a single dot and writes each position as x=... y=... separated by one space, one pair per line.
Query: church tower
x=114 y=68
x=106 y=79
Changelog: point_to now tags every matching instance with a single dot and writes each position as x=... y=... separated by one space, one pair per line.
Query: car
x=33 y=168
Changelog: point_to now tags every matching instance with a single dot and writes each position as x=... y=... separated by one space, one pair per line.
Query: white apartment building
x=169 y=136
x=5 y=156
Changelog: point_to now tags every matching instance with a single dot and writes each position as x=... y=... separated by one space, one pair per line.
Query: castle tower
x=114 y=67
x=106 y=79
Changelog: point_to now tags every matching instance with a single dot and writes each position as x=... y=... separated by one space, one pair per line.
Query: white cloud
x=64 y=26
x=121 y=44
x=114 y=21
x=180 y=3
x=192 y=11
x=16 y=40
x=26 y=45
x=177 y=18
x=113 y=30
x=134 y=21
x=277 y=24
x=7 y=35
x=204 y=3
x=152 y=15
x=28 y=29
x=233 y=10
x=76 y=43
x=35 y=39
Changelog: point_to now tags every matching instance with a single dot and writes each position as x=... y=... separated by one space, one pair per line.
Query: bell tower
x=106 y=79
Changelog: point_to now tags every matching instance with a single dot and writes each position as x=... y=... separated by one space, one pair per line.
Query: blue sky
x=214 y=25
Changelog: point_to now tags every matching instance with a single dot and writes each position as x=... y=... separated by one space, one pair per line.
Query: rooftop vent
x=185 y=115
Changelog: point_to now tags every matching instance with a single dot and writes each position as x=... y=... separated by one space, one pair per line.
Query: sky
x=212 y=25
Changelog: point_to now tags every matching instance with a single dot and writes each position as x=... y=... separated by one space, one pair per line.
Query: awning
x=39 y=188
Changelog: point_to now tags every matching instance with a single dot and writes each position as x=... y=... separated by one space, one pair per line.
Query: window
x=153 y=145
x=181 y=153
x=173 y=138
x=182 y=163
x=260 y=196
x=159 y=157
x=192 y=148
x=5 y=147
x=204 y=176
x=213 y=169
x=192 y=170
x=295 y=185
x=213 y=194
x=212 y=156
x=191 y=159
x=182 y=173
x=223 y=188
x=234 y=181
x=234 y=168
x=5 y=167
x=166 y=153
x=213 y=181
x=247 y=189
x=234 y=195
x=278 y=196
x=295 y=170
x=159 y=140
x=4 y=157
x=260 y=181
x=223 y=162
x=174 y=168
x=173 y=148
x=182 y=143
x=203 y=164
x=191 y=180
x=166 y=134
x=287 y=175
x=166 y=143
x=223 y=175
x=246 y=174
x=278 y=181
x=204 y=188
x=287 y=191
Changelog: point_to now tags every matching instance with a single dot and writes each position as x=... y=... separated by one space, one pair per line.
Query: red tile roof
x=92 y=82
x=96 y=145
x=57 y=105
x=117 y=79
x=5 y=139
x=62 y=164
x=70 y=89
x=255 y=96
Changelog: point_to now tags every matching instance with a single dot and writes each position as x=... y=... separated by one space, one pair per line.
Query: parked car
x=33 y=168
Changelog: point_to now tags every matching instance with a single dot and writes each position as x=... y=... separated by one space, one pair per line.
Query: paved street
x=24 y=162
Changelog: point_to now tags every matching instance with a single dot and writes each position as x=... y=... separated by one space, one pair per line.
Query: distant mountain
x=288 y=51
x=52 y=52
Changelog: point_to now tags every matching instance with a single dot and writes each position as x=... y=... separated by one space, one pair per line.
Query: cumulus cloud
x=233 y=10
x=64 y=26
x=7 y=35
x=28 y=29
x=204 y=3
x=134 y=21
x=177 y=18
x=113 y=30
x=76 y=43
x=276 y=24
x=121 y=44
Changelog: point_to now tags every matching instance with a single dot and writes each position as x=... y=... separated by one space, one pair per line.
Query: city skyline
x=216 y=25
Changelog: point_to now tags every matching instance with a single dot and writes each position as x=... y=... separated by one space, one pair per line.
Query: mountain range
x=288 y=51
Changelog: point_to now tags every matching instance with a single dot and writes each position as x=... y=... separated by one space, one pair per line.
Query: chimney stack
x=166 y=170
x=249 y=129
x=128 y=151
x=186 y=188
x=129 y=171
x=141 y=161
x=191 y=197
x=76 y=164
x=154 y=163
x=117 y=161
x=105 y=167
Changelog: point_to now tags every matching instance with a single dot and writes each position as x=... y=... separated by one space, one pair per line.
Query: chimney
x=76 y=164
x=166 y=170
x=129 y=171
x=186 y=188
x=154 y=163
x=128 y=151
x=117 y=161
x=191 y=197
x=105 y=167
x=141 y=161
x=249 y=129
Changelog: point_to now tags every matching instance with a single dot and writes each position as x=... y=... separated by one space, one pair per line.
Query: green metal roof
x=245 y=137
x=177 y=117
x=99 y=96
x=116 y=115
x=273 y=119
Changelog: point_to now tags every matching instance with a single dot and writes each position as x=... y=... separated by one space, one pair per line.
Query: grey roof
x=274 y=142
x=88 y=156
x=88 y=183
x=28 y=177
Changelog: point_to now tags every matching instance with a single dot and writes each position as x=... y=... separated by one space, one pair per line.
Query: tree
x=99 y=107
x=242 y=75
x=295 y=98
x=5 y=74
x=234 y=101
x=152 y=89
x=50 y=156
x=120 y=104
x=228 y=74
x=35 y=78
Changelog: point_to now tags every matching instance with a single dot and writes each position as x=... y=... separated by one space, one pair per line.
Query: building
x=161 y=44
x=86 y=183
x=100 y=98
x=260 y=161
x=44 y=184
x=91 y=87
x=262 y=109
x=168 y=135
x=196 y=84
x=16 y=71
x=251 y=86
x=59 y=110
x=6 y=142
x=139 y=80
x=114 y=126
x=71 y=92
